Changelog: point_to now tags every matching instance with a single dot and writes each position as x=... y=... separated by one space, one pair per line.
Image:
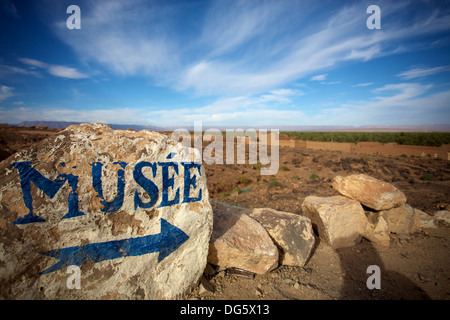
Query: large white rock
x=340 y=221
x=126 y=207
x=371 y=192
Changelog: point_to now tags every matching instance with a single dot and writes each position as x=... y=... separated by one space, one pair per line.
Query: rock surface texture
x=377 y=228
x=371 y=192
x=240 y=241
x=292 y=234
x=340 y=221
x=443 y=216
x=124 y=213
x=401 y=219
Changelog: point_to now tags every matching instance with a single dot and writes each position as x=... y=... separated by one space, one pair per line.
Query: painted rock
x=96 y=213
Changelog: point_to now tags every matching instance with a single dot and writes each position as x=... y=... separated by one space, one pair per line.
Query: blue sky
x=236 y=63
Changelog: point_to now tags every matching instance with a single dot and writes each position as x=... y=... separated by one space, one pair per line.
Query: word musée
x=30 y=175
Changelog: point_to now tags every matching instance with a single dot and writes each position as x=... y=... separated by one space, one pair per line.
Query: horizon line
x=438 y=127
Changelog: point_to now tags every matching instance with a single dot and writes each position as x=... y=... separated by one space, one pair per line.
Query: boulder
x=401 y=219
x=340 y=221
x=124 y=214
x=240 y=241
x=292 y=234
x=371 y=192
x=377 y=229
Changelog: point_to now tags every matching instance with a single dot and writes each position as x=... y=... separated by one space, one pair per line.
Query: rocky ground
x=309 y=172
x=13 y=139
x=412 y=267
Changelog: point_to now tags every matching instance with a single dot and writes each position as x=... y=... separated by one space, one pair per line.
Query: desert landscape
x=135 y=165
x=413 y=266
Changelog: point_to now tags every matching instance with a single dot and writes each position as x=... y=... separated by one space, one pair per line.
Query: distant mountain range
x=65 y=124
x=416 y=128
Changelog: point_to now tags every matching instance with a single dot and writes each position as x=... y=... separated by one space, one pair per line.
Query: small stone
x=308 y=270
x=424 y=278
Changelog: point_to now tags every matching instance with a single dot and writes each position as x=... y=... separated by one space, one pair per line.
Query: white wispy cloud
x=422 y=72
x=226 y=111
x=33 y=62
x=233 y=25
x=5 y=92
x=319 y=77
x=273 y=107
x=395 y=104
x=112 y=115
x=330 y=82
x=55 y=70
x=281 y=96
x=365 y=84
x=245 y=55
x=65 y=72
x=117 y=35
x=390 y=104
x=8 y=71
x=236 y=47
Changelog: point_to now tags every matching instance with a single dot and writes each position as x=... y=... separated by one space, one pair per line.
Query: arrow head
x=171 y=239
x=166 y=242
x=66 y=256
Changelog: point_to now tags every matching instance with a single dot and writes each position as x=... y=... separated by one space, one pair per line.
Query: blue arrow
x=169 y=240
